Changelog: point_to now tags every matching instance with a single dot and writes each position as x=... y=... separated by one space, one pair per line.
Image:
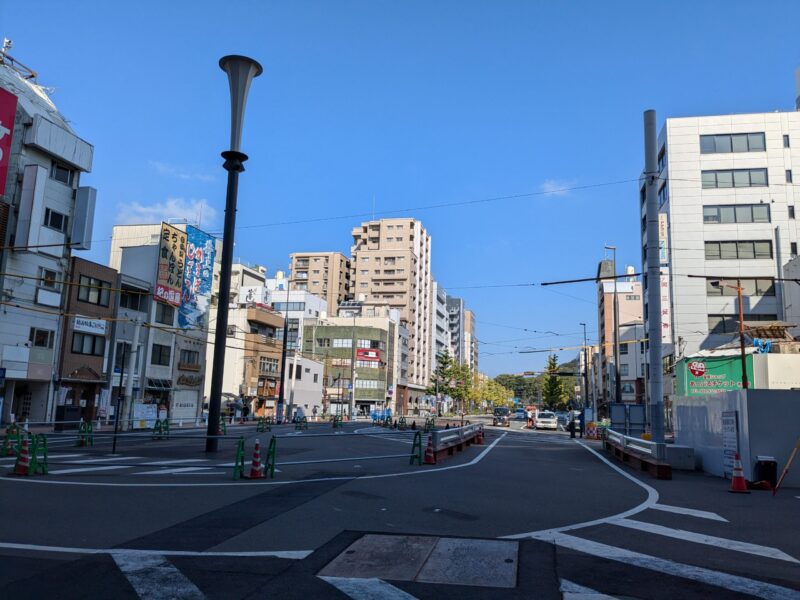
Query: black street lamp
x=241 y=71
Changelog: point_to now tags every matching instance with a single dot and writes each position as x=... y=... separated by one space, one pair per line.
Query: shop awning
x=159 y=384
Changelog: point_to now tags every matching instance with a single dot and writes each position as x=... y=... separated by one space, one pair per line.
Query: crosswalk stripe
x=734 y=583
x=572 y=591
x=176 y=462
x=367 y=589
x=85 y=470
x=709 y=540
x=155 y=577
x=702 y=514
x=172 y=471
x=92 y=461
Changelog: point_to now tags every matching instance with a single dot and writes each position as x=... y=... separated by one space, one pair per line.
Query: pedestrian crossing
x=74 y=464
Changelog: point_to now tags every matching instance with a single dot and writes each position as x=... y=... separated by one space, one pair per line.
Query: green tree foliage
x=554 y=394
x=487 y=393
x=451 y=379
x=525 y=388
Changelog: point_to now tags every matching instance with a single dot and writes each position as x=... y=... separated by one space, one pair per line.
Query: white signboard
x=144 y=415
x=89 y=325
x=666 y=313
x=254 y=295
x=730 y=440
x=663 y=256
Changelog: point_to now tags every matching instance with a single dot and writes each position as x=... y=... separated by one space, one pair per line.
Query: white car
x=546 y=420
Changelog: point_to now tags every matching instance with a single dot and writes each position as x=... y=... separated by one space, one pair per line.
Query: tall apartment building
x=45 y=214
x=324 y=274
x=470 y=341
x=391 y=266
x=455 y=311
x=727 y=210
x=440 y=329
x=630 y=309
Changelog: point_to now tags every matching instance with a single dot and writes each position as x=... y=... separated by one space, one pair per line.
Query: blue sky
x=379 y=106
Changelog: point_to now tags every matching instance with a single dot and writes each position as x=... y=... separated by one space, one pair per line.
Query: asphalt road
x=527 y=515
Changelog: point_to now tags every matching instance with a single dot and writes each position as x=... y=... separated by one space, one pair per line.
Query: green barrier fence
x=85 y=434
x=416 y=449
x=11 y=441
x=238 y=465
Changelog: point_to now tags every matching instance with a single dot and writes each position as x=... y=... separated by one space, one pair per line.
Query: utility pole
x=745 y=380
x=586 y=370
x=284 y=355
x=656 y=382
x=352 y=405
x=127 y=402
x=615 y=311
x=120 y=401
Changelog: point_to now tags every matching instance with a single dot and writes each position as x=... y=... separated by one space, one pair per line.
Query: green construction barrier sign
x=710 y=375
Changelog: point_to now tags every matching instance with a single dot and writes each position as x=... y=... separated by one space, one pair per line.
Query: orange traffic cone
x=430 y=457
x=738 y=483
x=23 y=464
x=256 y=468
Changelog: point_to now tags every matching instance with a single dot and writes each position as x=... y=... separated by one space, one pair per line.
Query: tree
x=554 y=394
x=442 y=375
x=524 y=388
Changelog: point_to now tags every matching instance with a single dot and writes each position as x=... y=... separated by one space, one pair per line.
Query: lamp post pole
x=241 y=71
x=585 y=369
x=745 y=380
x=617 y=382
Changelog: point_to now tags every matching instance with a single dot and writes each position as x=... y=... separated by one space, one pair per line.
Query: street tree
x=554 y=394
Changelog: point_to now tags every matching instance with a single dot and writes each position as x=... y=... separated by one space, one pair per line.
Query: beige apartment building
x=470 y=350
x=391 y=266
x=324 y=274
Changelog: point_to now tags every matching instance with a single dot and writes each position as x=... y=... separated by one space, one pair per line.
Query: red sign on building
x=368 y=354
x=8 y=110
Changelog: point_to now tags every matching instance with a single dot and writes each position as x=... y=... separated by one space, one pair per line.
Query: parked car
x=501 y=417
x=546 y=420
x=520 y=415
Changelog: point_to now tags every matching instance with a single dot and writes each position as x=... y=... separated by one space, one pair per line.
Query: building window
x=41 y=338
x=94 y=291
x=623 y=348
x=48 y=279
x=316 y=377
x=369 y=384
x=84 y=343
x=785 y=141
x=298 y=371
x=340 y=362
x=124 y=348
x=741 y=213
x=190 y=357
x=791 y=212
x=750 y=287
x=132 y=299
x=55 y=220
x=742 y=250
x=623 y=370
x=324 y=342
x=662 y=158
x=342 y=343
x=286 y=306
x=368 y=364
x=268 y=366
x=737 y=142
x=165 y=313
x=788 y=176
x=793 y=249
x=160 y=355
x=633 y=297
x=62 y=173
x=734 y=178
x=663 y=194
x=722 y=324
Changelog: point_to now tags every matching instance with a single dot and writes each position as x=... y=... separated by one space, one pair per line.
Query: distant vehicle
x=501 y=417
x=519 y=414
x=546 y=420
x=563 y=418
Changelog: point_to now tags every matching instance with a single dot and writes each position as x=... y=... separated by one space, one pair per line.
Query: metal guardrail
x=657 y=451
x=445 y=438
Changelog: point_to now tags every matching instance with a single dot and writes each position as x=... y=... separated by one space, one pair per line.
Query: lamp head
x=241 y=70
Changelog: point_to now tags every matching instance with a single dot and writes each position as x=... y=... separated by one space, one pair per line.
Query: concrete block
x=681 y=457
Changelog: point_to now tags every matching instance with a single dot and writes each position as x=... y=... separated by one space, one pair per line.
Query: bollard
x=269 y=465
x=402 y=423
x=39 y=455
x=238 y=465
x=416 y=449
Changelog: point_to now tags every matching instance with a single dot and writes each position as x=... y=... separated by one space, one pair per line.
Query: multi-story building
x=359 y=350
x=470 y=348
x=391 y=266
x=440 y=325
x=727 y=210
x=90 y=304
x=324 y=274
x=630 y=310
x=455 y=310
x=253 y=353
x=135 y=298
x=45 y=214
x=631 y=362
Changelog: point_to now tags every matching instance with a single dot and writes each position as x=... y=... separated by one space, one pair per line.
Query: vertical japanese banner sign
x=666 y=312
x=8 y=110
x=171 y=258
x=197 y=278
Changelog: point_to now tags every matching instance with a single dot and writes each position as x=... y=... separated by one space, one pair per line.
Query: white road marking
x=572 y=591
x=154 y=577
x=734 y=583
x=173 y=471
x=176 y=462
x=652 y=499
x=92 y=461
x=471 y=463
x=702 y=514
x=287 y=554
x=709 y=540
x=367 y=589
x=86 y=469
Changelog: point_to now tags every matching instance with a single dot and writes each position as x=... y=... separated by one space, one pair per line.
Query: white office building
x=727 y=210
x=440 y=320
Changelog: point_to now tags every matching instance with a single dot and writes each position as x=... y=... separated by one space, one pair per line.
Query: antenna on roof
x=5 y=59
